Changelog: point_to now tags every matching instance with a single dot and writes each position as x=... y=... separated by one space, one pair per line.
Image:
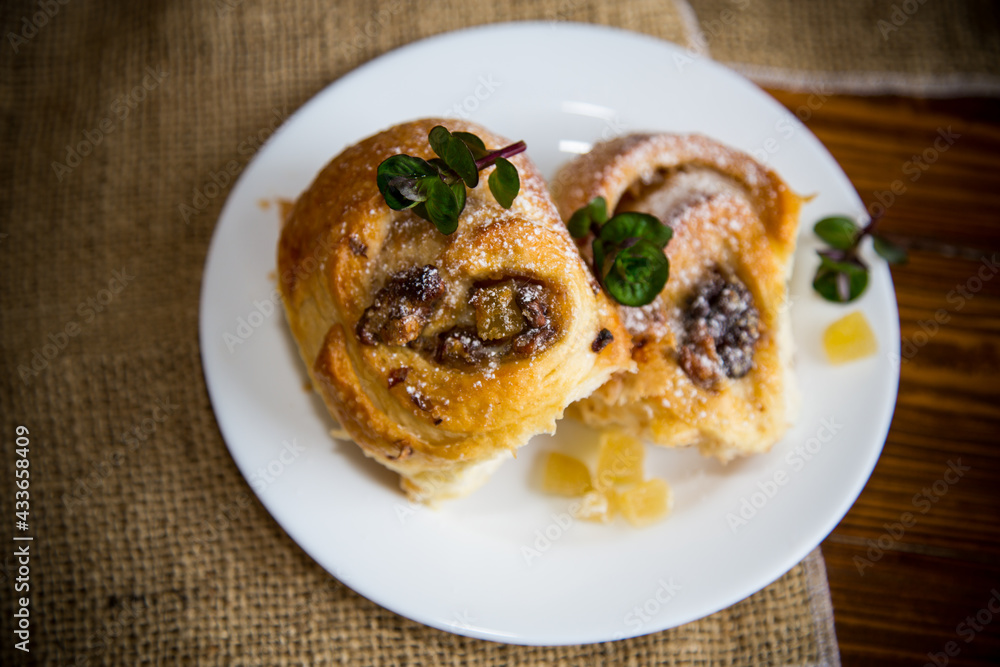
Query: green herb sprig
x=842 y=276
x=435 y=189
x=628 y=251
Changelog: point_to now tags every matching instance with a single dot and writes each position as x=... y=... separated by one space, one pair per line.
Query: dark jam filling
x=721 y=330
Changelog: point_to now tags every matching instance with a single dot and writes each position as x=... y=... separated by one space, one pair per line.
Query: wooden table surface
x=914 y=567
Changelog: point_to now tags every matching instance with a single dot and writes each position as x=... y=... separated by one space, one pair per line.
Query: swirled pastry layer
x=714 y=349
x=440 y=355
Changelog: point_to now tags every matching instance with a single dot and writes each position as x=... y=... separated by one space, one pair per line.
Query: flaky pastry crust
x=734 y=221
x=442 y=423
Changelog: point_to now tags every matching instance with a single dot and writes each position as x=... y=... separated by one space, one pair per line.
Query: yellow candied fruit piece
x=849 y=338
x=497 y=314
x=645 y=503
x=566 y=476
x=614 y=505
x=619 y=460
x=594 y=506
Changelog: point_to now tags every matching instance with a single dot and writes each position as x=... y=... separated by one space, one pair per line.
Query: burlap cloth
x=149 y=545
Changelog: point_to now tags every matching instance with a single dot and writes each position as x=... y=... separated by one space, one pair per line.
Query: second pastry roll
x=714 y=349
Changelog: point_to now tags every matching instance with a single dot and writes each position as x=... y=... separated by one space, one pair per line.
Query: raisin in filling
x=402 y=308
x=461 y=347
x=721 y=330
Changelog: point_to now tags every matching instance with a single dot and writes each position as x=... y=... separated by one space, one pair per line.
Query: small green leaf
x=444 y=171
x=504 y=182
x=584 y=217
x=438 y=138
x=889 y=251
x=474 y=143
x=849 y=266
x=636 y=273
x=825 y=284
x=421 y=210
x=456 y=154
x=637 y=225
x=440 y=205
x=397 y=179
x=839 y=286
x=839 y=232
x=458 y=188
x=435 y=189
x=600 y=249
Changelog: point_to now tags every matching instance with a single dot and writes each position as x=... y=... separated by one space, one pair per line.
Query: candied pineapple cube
x=619 y=460
x=646 y=502
x=849 y=338
x=566 y=476
x=594 y=506
x=497 y=314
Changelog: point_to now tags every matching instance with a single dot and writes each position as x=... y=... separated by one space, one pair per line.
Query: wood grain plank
x=900 y=597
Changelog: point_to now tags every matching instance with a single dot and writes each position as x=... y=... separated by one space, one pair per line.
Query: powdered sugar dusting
x=647 y=320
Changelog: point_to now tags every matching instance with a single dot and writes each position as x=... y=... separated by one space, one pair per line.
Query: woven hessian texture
x=912 y=47
x=150 y=547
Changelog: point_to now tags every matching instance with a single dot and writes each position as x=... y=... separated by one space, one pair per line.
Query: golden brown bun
x=441 y=421
x=731 y=217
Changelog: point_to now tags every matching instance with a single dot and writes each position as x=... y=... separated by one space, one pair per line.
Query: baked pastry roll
x=441 y=355
x=714 y=349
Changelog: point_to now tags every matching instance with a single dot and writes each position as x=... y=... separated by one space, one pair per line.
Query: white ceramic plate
x=507 y=564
